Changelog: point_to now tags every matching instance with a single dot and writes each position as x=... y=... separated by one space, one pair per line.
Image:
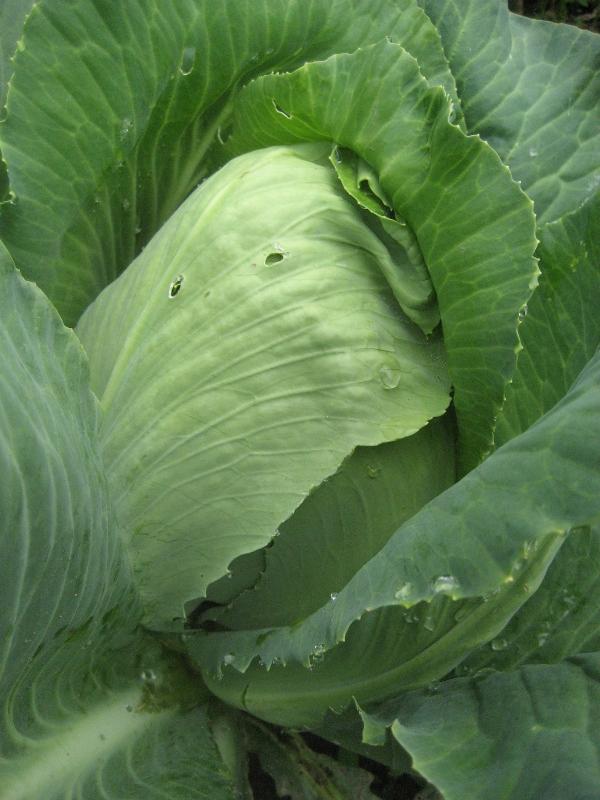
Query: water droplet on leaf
x=498 y=644
x=188 y=60
x=446 y=584
x=404 y=591
x=390 y=377
x=429 y=623
x=126 y=126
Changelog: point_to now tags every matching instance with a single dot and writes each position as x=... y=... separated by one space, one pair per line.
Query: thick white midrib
x=59 y=762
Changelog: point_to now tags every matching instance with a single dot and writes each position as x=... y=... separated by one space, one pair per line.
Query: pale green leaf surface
x=506 y=735
x=561 y=329
x=454 y=548
x=282 y=350
x=90 y=708
x=341 y=525
x=531 y=89
x=473 y=224
x=114 y=106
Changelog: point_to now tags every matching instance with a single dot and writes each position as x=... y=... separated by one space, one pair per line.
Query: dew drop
x=498 y=644
x=125 y=204
x=533 y=152
x=490 y=595
x=333 y=596
x=446 y=584
x=129 y=707
x=188 y=60
x=126 y=126
x=543 y=637
x=428 y=623
x=404 y=591
x=389 y=377
x=317 y=655
x=523 y=313
x=228 y=658
x=372 y=471
x=463 y=671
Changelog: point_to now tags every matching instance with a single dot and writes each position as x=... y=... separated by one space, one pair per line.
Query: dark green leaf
x=528 y=734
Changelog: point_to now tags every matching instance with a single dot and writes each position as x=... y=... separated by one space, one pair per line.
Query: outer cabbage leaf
x=531 y=89
x=560 y=619
x=240 y=359
x=560 y=331
x=505 y=735
x=113 y=108
x=560 y=334
x=12 y=17
x=90 y=706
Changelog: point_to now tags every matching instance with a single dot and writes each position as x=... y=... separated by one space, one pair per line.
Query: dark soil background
x=582 y=13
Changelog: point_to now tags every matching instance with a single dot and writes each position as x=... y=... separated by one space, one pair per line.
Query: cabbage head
x=299 y=401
